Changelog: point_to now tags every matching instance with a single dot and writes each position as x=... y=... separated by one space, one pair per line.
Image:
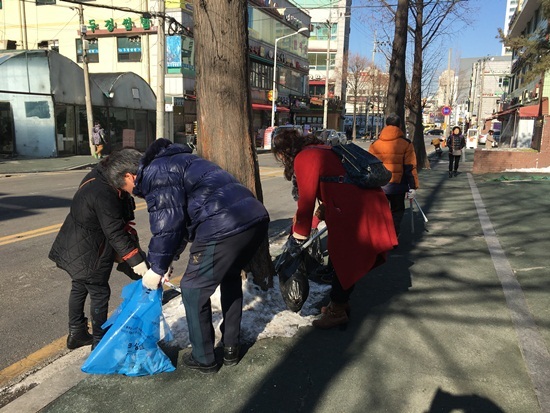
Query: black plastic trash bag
x=313 y=256
x=295 y=289
x=293 y=282
x=130 y=346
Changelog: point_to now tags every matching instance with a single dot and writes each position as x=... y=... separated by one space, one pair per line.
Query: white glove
x=141 y=268
x=411 y=194
x=151 y=279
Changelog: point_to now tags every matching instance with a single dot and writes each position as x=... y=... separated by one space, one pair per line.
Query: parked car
x=429 y=126
x=329 y=136
x=434 y=132
x=281 y=128
x=342 y=138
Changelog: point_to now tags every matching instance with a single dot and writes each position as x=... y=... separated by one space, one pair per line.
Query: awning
x=504 y=113
x=261 y=106
x=317 y=83
x=531 y=111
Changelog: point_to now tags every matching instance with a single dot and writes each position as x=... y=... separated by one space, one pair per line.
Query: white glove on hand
x=151 y=280
x=411 y=194
x=141 y=268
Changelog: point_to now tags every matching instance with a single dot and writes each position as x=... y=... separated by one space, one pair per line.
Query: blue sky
x=476 y=40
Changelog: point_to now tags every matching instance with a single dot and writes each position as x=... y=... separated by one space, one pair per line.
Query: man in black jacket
x=97 y=229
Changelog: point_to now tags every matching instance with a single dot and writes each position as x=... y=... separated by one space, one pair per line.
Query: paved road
x=456 y=320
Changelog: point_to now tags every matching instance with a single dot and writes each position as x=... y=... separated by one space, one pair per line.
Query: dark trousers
x=213 y=264
x=99 y=305
x=453 y=162
x=337 y=293
x=397 y=206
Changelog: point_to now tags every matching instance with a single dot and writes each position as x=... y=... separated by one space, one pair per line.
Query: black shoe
x=450 y=174
x=455 y=173
x=191 y=363
x=231 y=355
x=79 y=338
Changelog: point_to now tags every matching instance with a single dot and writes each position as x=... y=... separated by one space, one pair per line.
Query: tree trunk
x=224 y=110
x=397 y=80
x=415 y=115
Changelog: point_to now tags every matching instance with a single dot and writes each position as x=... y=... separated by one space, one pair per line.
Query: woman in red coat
x=359 y=221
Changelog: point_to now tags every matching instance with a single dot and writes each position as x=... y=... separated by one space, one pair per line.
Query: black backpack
x=362 y=168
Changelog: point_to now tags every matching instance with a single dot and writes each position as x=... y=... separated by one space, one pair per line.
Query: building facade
x=327 y=53
x=124 y=39
x=511 y=6
x=524 y=114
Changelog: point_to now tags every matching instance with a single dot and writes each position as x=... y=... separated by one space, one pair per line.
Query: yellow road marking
x=23 y=236
x=31 y=361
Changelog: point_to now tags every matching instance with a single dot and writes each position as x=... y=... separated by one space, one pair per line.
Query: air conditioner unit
x=8 y=45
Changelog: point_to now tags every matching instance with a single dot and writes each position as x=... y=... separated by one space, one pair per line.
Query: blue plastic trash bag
x=130 y=346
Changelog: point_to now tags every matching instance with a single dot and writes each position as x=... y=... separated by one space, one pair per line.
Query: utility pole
x=325 y=101
x=480 y=106
x=447 y=100
x=23 y=23
x=161 y=52
x=87 y=96
x=146 y=55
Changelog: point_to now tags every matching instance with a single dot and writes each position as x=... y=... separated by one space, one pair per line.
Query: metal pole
x=325 y=106
x=161 y=52
x=274 y=89
x=420 y=209
x=23 y=11
x=87 y=97
x=412 y=215
x=480 y=107
x=447 y=93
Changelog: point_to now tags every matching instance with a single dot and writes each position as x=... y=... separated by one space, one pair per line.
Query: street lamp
x=274 y=89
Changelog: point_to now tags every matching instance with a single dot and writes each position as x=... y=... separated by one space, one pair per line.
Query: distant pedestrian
x=455 y=142
x=397 y=154
x=95 y=232
x=98 y=138
x=489 y=139
x=436 y=142
x=359 y=223
x=193 y=200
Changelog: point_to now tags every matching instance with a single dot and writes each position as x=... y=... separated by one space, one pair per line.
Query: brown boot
x=334 y=315
x=347 y=308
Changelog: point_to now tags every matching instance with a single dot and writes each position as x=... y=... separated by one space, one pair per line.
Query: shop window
x=318 y=61
x=261 y=75
x=129 y=49
x=92 y=52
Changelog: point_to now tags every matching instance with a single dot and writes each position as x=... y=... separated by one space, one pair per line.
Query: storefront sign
x=111 y=25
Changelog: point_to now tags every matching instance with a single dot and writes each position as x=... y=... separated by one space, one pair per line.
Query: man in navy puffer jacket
x=192 y=200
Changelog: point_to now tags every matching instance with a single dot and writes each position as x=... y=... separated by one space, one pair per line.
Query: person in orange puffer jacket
x=397 y=154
